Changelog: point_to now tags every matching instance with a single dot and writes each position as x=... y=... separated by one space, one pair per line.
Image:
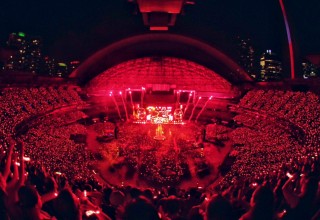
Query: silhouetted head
x=116 y=198
x=219 y=209
x=262 y=196
x=67 y=205
x=28 y=197
x=139 y=209
x=309 y=188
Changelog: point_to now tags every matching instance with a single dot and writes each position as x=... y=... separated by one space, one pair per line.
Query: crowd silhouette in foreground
x=29 y=191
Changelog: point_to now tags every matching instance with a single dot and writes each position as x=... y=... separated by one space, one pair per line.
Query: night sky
x=76 y=29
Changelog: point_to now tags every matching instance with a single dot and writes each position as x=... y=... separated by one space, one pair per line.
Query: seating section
x=18 y=104
x=299 y=108
x=274 y=158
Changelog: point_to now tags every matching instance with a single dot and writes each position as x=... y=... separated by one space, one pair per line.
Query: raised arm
x=22 y=175
x=290 y=196
x=6 y=171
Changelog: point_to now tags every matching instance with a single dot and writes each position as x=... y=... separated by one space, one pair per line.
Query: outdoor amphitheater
x=168 y=132
x=146 y=126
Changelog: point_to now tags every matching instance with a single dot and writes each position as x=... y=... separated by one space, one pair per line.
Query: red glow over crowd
x=271 y=172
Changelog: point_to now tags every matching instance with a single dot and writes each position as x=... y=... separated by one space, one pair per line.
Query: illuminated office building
x=246 y=56
x=309 y=70
x=271 y=67
x=27 y=54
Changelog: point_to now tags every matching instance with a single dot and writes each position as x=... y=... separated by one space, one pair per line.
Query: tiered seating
x=271 y=168
x=18 y=104
x=302 y=109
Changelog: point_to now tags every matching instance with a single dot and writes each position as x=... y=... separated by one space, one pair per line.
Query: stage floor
x=137 y=159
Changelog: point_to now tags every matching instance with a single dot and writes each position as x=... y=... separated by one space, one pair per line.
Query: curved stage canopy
x=169 y=72
x=160 y=45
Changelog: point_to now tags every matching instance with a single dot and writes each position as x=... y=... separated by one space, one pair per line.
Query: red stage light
x=154 y=28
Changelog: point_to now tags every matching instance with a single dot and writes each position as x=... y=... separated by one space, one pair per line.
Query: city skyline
x=75 y=30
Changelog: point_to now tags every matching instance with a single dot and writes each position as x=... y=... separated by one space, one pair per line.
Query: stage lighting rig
x=160 y=14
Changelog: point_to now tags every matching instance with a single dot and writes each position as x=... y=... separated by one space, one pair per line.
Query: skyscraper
x=61 y=70
x=17 y=44
x=49 y=66
x=309 y=70
x=271 y=67
x=27 y=53
x=246 y=56
x=16 y=40
x=34 y=54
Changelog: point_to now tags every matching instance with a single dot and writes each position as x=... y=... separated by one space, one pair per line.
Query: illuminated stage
x=161 y=154
x=158 y=115
x=159 y=133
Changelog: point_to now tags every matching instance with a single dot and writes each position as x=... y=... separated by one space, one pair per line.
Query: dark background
x=76 y=29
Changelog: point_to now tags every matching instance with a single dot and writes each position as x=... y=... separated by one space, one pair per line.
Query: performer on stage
x=203 y=132
x=116 y=131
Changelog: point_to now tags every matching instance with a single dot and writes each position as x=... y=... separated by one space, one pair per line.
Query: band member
x=116 y=131
x=203 y=133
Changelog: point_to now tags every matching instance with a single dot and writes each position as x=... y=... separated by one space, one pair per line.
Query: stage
x=179 y=157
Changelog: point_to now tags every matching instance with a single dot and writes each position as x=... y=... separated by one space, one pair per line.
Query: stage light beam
x=203 y=108
x=116 y=104
x=188 y=102
x=124 y=105
x=194 y=107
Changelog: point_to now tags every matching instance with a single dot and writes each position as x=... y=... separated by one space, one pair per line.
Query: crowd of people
x=48 y=140
x=19 y=104
x=158 y=162
x=300 y=108
x=31 y=192
x=46 y=175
